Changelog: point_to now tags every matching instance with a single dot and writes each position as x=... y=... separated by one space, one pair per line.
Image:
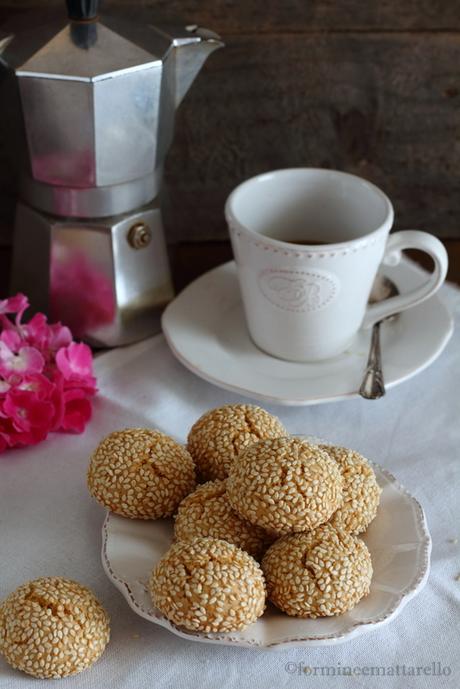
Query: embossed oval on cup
x=298 y=290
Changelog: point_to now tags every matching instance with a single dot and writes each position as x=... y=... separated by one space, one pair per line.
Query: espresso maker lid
x=98 y=95
x=87 y=47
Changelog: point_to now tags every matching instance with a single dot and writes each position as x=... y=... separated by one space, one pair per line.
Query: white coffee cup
x=306 y=302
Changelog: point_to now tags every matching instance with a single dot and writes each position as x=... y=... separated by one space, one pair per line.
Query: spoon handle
x=373 y=386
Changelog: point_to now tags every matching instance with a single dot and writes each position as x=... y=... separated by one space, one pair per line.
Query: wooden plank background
x=372 y=88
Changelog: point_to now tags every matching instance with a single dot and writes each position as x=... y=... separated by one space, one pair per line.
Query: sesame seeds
x=285 y=485
x=207 y=512
x=52 y=627
x=361 y=492
x=140 y=473
x=208 y=585
x=221 y=434
x=318 y=573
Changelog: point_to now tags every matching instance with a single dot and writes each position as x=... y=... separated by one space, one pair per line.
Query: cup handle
x=409 y=239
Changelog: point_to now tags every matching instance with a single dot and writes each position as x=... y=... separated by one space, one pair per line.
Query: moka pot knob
x=82 y=10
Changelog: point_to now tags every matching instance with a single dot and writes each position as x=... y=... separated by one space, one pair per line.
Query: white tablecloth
x=49 y=525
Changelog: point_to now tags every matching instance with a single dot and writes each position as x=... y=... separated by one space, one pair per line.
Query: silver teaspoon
x=373 y=386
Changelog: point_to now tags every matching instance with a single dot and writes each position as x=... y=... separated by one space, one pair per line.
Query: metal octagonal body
x=90 y=121
x=92 y=276
x=92 y=106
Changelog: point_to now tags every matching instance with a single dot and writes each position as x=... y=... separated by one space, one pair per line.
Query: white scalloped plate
x=398 y=540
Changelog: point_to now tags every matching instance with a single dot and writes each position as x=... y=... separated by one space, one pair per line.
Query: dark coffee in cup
x=307 y=242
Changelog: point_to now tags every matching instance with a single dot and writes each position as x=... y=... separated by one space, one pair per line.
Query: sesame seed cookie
x=221 y=434
x=207 y=512
x=140 y=473
x=285 y=485
x=52 y=627
x=319 y=573
x=208 y=585
x=361 y=492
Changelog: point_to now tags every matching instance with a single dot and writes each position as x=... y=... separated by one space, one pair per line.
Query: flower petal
x=37 y=383
x=60 y=336
x=11 y=339
x=77 y=411
x=4 y=387
x=75 y=361
x=17 y=304
x=26 y=411
x=36 y=331
x=46 y=379
x=27 y=360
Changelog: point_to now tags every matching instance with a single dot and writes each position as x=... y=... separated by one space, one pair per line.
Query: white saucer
x=398 y=540
x=206 y=330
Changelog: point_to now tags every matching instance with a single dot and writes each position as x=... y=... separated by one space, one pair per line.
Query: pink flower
x=35 y=332
x=59 y=336
x=11 y=339
x=46 y=379
x=17 y=304
x=77 y=410
x=27 y=411
x=37 y=383
x=16 y=438
x=75 y=362
x=25 y=360
x=45 y=390
x=49 y=338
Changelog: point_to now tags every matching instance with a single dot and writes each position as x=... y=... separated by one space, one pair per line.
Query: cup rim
x=386 y=225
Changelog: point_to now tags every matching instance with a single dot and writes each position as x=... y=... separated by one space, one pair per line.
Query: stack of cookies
x=273 y=517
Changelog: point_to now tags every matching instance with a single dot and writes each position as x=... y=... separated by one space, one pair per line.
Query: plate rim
x=296 y=401
x=353 y=631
